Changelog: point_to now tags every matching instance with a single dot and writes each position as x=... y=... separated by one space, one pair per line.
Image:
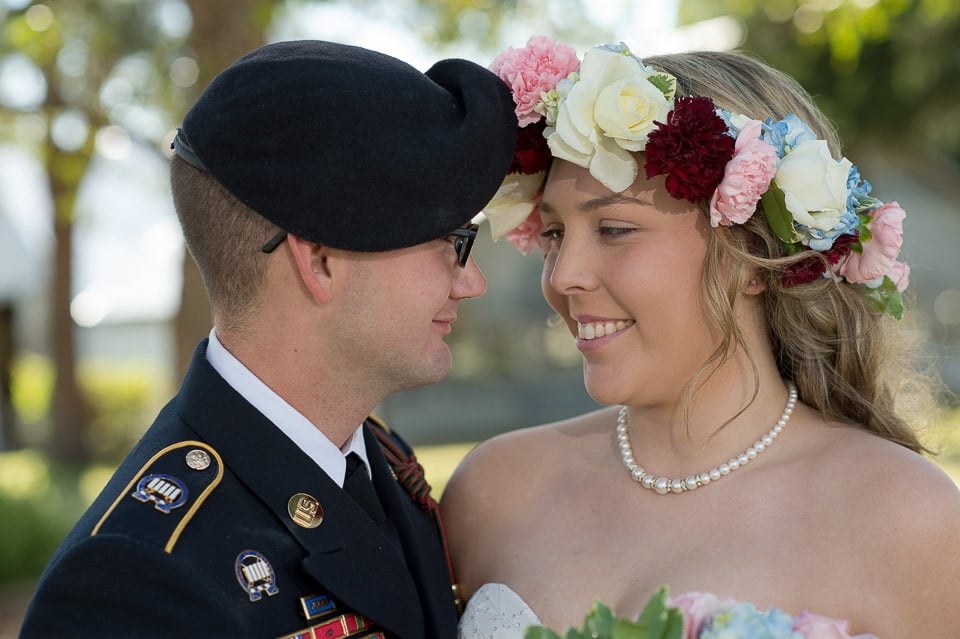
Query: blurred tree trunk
x=223 y=30
x=71 y=413
x=8 y=426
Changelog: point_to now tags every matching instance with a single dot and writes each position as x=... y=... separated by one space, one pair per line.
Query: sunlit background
x=100 y=309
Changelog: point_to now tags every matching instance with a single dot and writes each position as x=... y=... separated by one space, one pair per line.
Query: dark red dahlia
x=532 y=153
x=692 y=149
x=812 y=267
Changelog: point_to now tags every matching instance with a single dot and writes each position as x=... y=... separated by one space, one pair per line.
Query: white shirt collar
x=310 y=439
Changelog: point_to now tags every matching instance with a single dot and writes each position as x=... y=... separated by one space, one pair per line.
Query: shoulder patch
x=165 y=494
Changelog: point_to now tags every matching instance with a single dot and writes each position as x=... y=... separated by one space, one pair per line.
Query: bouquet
x=698 y=615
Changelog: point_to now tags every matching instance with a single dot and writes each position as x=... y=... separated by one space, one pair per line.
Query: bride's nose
x=572 y=267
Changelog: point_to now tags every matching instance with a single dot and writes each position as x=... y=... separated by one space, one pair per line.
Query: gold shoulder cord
x=193 y=507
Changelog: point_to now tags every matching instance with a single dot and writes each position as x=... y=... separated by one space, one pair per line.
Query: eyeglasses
x=463 y=238
x=274 y=242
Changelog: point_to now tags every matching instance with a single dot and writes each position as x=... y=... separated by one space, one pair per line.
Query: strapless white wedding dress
x=496 y=612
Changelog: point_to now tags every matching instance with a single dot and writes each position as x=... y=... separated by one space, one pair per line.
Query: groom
x=325 y=193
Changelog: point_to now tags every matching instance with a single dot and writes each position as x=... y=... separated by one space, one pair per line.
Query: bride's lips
x=593 y=333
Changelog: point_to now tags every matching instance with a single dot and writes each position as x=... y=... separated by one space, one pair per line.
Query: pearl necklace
x=663 y=486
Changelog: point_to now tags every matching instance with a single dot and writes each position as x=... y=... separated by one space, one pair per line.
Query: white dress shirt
x=309 y=438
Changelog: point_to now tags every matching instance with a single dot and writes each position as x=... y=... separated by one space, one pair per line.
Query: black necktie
x=358 y=485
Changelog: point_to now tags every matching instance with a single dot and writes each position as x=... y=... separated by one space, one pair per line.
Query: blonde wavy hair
x=224 y=237
x=849 y=362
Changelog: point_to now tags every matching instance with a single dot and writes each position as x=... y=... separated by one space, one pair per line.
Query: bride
x=734 y=290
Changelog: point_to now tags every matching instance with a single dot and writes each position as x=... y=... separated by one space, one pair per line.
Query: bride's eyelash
x=614 y=231
x=607 y=232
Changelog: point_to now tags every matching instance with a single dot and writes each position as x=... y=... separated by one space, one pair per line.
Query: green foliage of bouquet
x=702 y=615
x=657 y=621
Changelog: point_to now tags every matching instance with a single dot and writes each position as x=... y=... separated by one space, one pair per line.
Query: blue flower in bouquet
x=745 y=621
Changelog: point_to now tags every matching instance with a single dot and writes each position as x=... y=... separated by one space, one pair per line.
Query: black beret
x=352 y=148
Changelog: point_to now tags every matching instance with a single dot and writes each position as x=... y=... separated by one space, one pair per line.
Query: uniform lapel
x=347 y=553
x=420 y=537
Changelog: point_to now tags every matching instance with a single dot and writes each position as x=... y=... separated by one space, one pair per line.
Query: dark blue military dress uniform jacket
x=202 y=532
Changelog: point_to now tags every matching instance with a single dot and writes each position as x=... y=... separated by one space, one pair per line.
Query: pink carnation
x=698 y=609
x=900 y=274
x=881 y=250
x=536 y=68
x=746 y=177
x=526 y=237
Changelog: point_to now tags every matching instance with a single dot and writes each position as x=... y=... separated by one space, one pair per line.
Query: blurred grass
x=946 y=441
x=39 y=503
x=439 y=462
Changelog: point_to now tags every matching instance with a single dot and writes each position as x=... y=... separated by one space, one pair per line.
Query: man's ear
x=313 y=267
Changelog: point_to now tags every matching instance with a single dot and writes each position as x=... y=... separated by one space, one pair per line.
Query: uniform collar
x=308 y=437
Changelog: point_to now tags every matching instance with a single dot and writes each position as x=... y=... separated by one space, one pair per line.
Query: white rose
x=513 y=202
x=627 y=110
x=814 y=185
x=578 y=137
x=739 y=120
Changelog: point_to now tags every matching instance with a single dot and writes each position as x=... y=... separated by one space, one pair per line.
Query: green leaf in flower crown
x=866 y=203
x=864 y=231
x=665 y=82
x=886 y=298
x=778 y=217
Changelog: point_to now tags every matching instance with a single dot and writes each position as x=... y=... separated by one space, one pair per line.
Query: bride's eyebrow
x=596 y=204
x=614 y=199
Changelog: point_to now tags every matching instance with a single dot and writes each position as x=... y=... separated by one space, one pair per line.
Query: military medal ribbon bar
x=349 y=625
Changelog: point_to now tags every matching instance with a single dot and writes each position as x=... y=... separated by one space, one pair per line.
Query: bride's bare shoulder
x=904 y=513
x=523 y=457
x=526 y=452
x=502 y=484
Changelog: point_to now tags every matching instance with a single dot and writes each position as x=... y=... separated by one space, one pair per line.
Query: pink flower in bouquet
x=526 y=237
x=813 y=626
x=698 y=609
x=747 y=176
x=535 y=68
x=881 y=250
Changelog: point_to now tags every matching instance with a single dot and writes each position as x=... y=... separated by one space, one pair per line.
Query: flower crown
x=599 y=112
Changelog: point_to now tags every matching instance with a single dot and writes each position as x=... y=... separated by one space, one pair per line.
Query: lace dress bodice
x=496 y=612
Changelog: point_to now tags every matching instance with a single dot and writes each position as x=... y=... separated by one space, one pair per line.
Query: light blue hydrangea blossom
x=744 y=621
